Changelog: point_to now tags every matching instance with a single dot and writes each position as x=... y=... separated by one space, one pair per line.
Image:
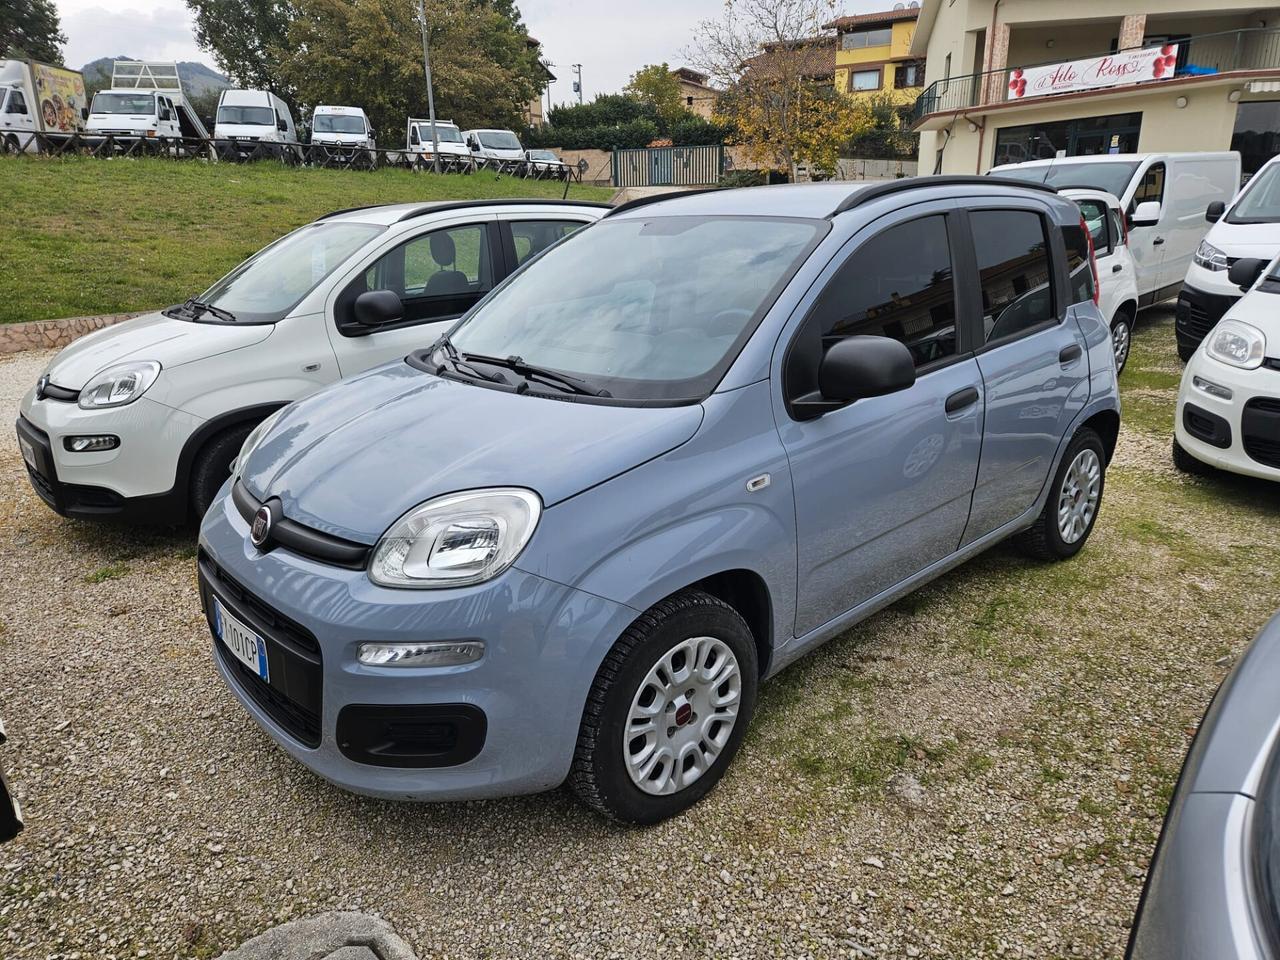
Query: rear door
x=1031 y=356
x=1147 y=244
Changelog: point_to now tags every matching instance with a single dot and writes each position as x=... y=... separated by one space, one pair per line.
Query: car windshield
x=443 y=134
x=648 y=309
x=251 y=116
x=1113 y=177
x=1260 y=202
x=123 y=103
x=541 y=155
x=499 y=140
x=335 y=123
x=274 y=280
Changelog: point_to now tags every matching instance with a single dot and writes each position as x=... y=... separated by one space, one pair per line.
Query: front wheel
x=1121 y=339
x=667 y=711
x=1186 y=463
x=212 y=466
x=1074 y=498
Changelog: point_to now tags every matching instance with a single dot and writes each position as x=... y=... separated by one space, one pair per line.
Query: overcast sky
x=610 y=39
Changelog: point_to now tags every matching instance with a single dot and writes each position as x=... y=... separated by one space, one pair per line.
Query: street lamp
x=431 y=97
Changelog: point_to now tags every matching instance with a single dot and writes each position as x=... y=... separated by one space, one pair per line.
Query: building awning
x=1263 y=86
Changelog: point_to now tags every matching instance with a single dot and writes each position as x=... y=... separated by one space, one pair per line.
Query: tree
x=884 y=134
x=245 y=37
x=369 y=53
x=31 y=28
x=657 y=86
x=777 y=69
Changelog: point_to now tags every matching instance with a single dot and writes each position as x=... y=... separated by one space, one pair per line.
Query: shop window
x=1256 y=134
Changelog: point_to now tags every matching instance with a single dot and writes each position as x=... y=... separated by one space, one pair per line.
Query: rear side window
x=898 y=284
x=1015 y=270
x=533 y=236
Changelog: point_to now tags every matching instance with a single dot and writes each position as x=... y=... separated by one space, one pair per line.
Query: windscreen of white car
x=248 y=116
x=443 y=134
x=1111 y=176
x=1260 y=202
x=499 y=140
x=274 y=280
x=543 y=155
x=134 y=103
x=336 y=123
x=644 y=309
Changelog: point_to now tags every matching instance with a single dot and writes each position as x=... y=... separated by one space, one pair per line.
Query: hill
x=197 y=78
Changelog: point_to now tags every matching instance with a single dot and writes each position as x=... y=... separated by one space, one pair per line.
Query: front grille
x=1260 y=430
x=1196 y=313
x=293 y=697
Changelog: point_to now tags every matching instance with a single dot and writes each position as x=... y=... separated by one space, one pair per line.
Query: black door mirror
x=1244 y=273
x=281 y=125
x=84 y=113
x=860 y=367
x=377 y=308
x=1213 y=213
x=473 y=143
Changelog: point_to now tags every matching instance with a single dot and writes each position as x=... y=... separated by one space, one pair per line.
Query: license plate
x=247 y=646
x=28 y=451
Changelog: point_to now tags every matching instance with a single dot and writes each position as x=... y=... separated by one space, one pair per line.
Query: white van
x=252 y=116
x=417 y=141
x=1247 y=227
x=494 y=146
x=1164 y=196
x=132 y=114
x=342 y=127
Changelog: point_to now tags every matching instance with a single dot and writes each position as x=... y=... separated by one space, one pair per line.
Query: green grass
x=91 y=236
x=112 y=571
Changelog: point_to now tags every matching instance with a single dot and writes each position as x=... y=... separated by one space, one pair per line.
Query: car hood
x=152 y=336
x=353 y=458
x=1246 y=239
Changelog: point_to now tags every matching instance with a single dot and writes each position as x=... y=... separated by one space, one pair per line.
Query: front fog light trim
x=1211 y=388
x=92 y=443
x=450 y=653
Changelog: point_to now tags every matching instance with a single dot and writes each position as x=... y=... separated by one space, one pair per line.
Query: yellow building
x=873 y=52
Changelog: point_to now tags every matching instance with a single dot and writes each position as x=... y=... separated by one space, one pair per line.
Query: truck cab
x=448 y=139
x=340 y=126
x=132 y=114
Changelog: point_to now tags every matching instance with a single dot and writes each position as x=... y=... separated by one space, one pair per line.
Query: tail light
x=1093 y=263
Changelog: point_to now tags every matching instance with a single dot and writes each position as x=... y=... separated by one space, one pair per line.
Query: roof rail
x=495 y=201
x=337 y=213
x=657 y=197
x=875 y=192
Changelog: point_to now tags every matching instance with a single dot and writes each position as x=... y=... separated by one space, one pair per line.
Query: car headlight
x=252 y=440
x=1237 y=344
x=1210 y=257
x=118 y=385
x=457 y=539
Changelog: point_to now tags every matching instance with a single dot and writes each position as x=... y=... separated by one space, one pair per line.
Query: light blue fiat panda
x=679 y=449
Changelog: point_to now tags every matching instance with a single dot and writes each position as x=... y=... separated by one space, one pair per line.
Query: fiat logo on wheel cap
x=261 y=528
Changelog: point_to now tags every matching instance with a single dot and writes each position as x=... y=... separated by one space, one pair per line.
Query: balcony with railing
x=1256 y=49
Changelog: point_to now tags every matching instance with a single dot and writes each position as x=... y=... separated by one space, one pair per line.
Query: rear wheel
x=1074 y=499
x=1185 y=351
x=213 y=465
x=1121 y=338
x=667 y=711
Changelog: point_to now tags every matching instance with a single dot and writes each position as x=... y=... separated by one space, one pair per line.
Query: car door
x=1147 y=243
x=439 y=273
x=883 y=485
x=1031 y=355
x=17 y=115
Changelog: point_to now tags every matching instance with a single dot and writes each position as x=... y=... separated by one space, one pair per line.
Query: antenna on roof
x=899 y=6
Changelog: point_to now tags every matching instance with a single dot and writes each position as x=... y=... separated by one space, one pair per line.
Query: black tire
x=212 y=466
x=1186 y=351
x=1043 y=540
x=1124 y=319
x=599 y=776
x=1186 y=463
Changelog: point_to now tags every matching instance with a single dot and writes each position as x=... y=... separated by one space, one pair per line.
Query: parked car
x=493 y=147
x=1164 y=195
x=39 y=98
x=1228 y=413
x=342 y=128
x=545 y=164
x=668 y=457
x=1117 y=289
x=143 y=419
x=1247 y=228
x=10 y=809
x=250 y=117
x=1211 y=887
x=448 y=138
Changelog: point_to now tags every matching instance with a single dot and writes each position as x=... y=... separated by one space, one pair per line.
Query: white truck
x=145 y=101
x=453 y=151
x=38 y=98
x=1164 y=195
x=342 y=130
x=248 y=118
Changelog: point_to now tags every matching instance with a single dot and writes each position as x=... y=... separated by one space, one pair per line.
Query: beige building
x=1010 y=80
x=697 y=95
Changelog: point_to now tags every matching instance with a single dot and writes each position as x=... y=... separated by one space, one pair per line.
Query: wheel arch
x=208 y=431
x=1106 y=423
x=1129 y=308
x=748 y=594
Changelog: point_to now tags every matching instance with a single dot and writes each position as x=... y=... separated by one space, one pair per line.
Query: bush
x=742 y=178
x=617 y=122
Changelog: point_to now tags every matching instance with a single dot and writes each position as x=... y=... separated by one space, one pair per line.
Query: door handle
x=1157 y=241
x=1069 y=354
x=961 y=399
x=1117 y=268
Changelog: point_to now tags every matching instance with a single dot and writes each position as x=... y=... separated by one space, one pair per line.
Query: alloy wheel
x=1078 y=498
x=1120 y=338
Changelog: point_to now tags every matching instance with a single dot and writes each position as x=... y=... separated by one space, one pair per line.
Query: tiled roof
x=816 y=56
x=872 y=19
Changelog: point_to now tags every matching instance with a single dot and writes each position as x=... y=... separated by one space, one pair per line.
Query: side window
x=533 y=236
x=898 y=284
x=413 y=135
x=17 y=103
x=1152 y=185
x=1015 y=271
x=1077 y=245
x=1118 y=238
x=1095 y=218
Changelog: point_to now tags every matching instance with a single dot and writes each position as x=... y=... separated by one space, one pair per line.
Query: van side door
x=1147 y=243
x=883 y=484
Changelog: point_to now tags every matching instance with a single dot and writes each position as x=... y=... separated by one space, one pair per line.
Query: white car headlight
x=252 y=440
x=118 y=385
x=1237 y=344
x=457 y=539
x=1210 y=257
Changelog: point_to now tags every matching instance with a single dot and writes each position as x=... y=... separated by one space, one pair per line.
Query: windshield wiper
x=197 y=307
x=530 y=371
x=444 y=343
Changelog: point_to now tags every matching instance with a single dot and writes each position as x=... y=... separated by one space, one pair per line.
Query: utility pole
x=431 y=96
x=577 y=84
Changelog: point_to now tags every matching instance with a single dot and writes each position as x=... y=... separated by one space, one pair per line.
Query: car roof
x=387 y=214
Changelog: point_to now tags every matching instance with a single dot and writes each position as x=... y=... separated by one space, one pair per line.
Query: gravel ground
x=978 y=771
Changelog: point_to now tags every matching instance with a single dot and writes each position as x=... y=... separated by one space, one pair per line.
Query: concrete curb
x=326 y=936
x=43 y=334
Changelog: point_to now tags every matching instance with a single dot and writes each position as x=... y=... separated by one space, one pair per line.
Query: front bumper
x=1242 y=434
x=1198 y=310
x=520 y=705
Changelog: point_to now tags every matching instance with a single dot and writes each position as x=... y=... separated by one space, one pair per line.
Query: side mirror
x=473 y=143
x=1146 y=214
x=1244 y=273
x=281 y=125
x=377 y=308
x=1213 y=213
x=84 y=113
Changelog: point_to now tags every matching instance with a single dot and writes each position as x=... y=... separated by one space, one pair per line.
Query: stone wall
x=43 y=334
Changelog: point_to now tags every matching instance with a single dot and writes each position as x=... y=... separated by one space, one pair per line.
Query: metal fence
x=324 y=156
x=1254 y=48
x=668 y=166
